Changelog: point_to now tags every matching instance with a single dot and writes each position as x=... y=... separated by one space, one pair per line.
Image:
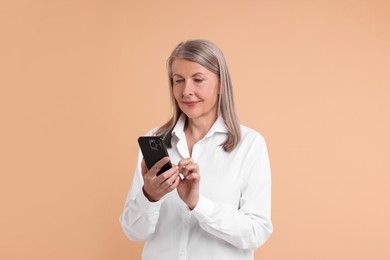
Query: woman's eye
x=178 y=81
x=198 y=80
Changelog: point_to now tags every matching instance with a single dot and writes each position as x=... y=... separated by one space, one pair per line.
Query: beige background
x=81 y=80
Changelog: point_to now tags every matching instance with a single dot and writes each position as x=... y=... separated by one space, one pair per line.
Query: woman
x=214 y=203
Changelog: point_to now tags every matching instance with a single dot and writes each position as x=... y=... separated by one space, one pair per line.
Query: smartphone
x=153 y=149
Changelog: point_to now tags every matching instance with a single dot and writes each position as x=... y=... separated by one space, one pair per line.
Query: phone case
x=153 y=149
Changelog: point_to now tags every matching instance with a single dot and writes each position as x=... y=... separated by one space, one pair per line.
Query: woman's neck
x=196 y=129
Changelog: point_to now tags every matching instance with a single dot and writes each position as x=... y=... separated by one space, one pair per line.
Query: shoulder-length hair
x=211 y=57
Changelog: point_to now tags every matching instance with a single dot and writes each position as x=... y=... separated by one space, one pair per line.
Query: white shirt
x=233 y=215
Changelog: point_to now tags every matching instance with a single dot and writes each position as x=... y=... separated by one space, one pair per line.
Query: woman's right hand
x=155 y=187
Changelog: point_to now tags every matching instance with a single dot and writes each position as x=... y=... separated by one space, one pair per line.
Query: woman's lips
x=190 y=103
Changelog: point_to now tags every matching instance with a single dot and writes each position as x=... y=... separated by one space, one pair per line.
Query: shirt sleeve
x=139 y=216
x=249 y=226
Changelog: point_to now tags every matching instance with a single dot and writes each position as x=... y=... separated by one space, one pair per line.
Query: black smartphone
x=153 y=149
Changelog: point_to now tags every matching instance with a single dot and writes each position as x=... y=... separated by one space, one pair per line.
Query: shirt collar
x=219 y=126
x=178 y=130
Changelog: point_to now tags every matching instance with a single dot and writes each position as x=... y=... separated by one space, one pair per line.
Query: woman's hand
x=155 y=187
x=188 y=187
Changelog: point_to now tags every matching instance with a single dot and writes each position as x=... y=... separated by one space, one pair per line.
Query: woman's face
x=195 y=89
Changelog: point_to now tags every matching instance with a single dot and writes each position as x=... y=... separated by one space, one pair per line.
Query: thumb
x=144 y=170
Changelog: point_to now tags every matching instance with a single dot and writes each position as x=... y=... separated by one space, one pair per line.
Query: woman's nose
x=188 y=89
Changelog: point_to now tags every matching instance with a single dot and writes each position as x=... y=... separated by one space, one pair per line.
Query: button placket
x=184 y=236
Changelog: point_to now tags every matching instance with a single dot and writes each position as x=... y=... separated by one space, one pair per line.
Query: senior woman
x=215 y=202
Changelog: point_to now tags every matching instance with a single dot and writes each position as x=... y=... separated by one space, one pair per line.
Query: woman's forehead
x=186 y=67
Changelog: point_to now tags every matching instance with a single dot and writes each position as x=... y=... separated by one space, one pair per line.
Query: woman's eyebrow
x=198 y=74
x=193 y=75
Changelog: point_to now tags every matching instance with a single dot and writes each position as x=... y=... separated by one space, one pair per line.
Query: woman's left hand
x=188 y=188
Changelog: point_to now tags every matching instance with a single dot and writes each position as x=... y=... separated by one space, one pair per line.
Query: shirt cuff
x=147 y=205
x=203 y=209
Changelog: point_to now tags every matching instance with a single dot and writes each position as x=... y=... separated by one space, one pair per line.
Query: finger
x=171 y=180
x=174 y=185
x=193 y=177
x=191 y=168
x=158 y=165
x=167 y=174
x=144 y=170
x=194 y=167
x=184 y=162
